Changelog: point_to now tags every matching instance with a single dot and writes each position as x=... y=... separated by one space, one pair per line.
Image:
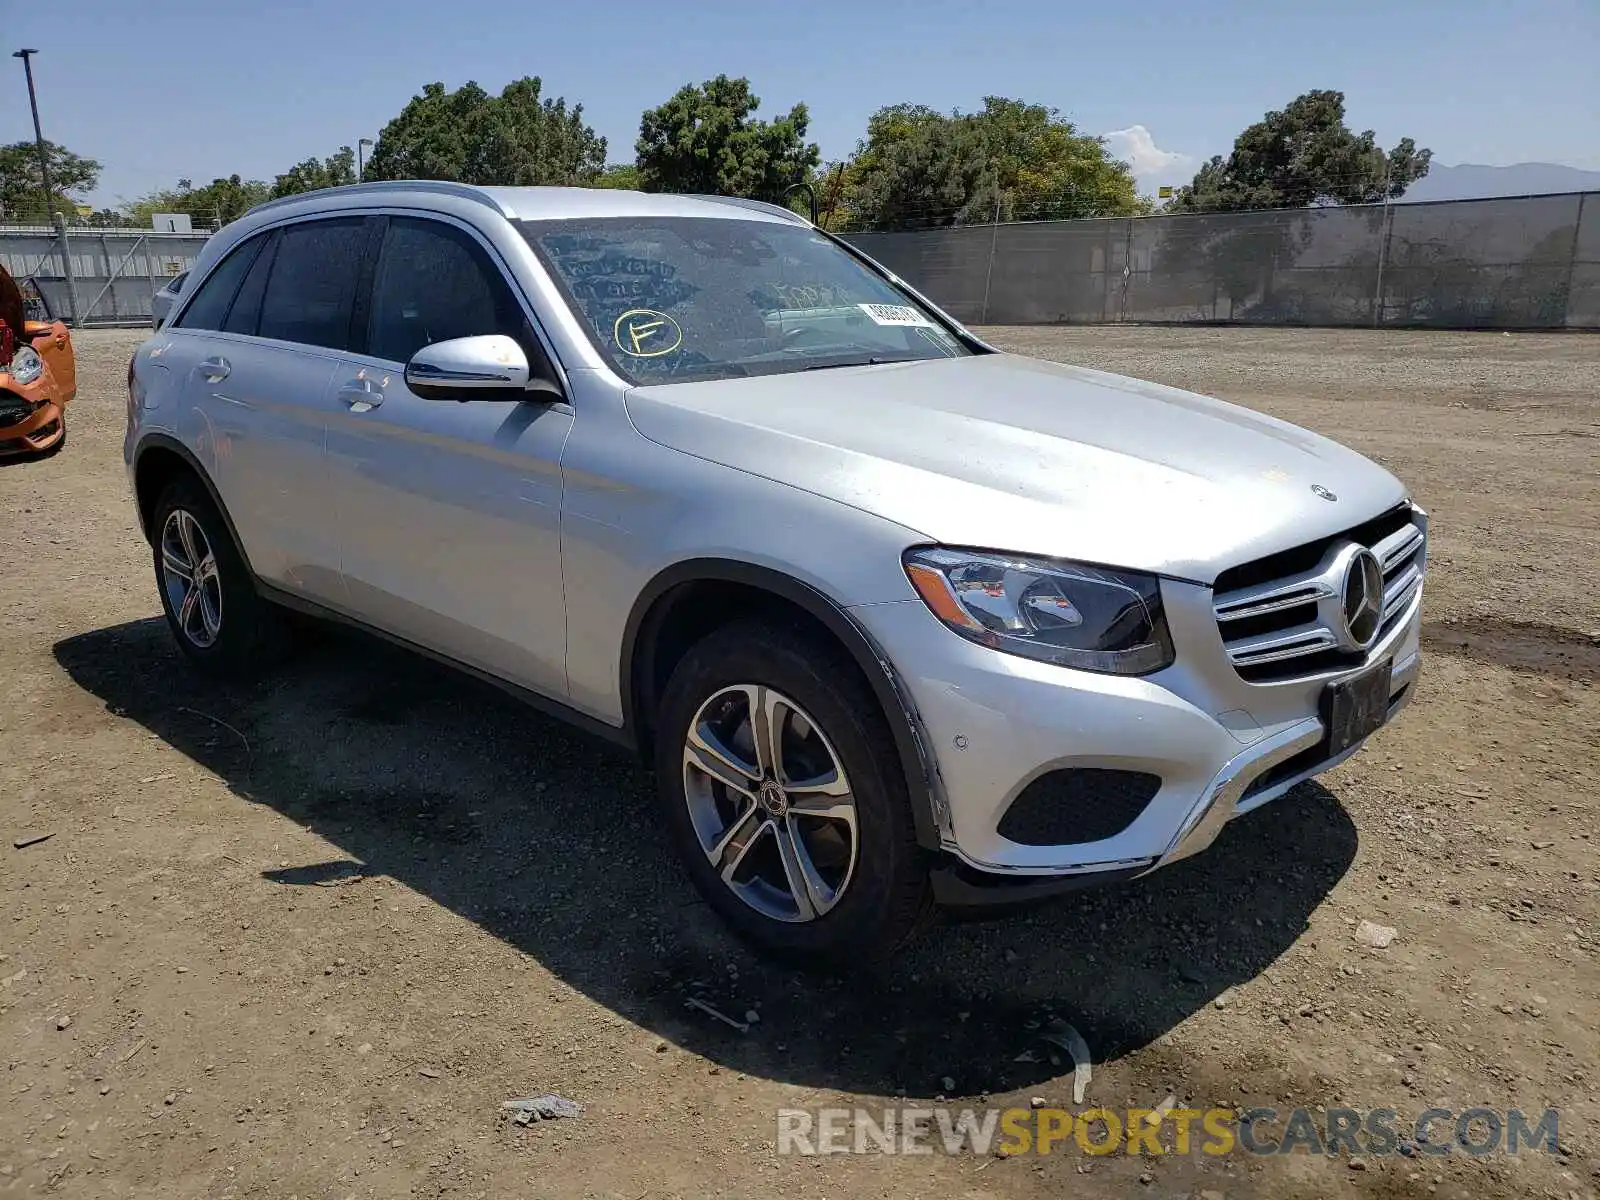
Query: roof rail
x=465 y=191
x=758 y=206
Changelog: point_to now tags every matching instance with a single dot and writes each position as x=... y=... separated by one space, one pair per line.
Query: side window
x=210 y=304
x=312 y=283
x=434 y=283
x=246 y=310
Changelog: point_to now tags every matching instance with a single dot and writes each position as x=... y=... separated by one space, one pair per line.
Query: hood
x=1033 y=457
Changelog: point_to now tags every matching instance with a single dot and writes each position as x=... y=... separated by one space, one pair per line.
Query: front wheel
x=782 y=789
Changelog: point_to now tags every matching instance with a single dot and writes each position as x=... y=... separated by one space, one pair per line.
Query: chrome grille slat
x=1264 y=627
x=1272 y=647
x=1268 y=597
x=1394 y=548
x=1397 y=591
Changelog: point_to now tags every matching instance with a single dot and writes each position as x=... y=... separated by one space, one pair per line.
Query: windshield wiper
x=856 y=362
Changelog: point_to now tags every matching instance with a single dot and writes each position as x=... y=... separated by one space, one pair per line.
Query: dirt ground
x=301 y=939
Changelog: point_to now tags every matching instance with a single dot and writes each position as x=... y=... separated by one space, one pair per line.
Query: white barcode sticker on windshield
x=895 y=314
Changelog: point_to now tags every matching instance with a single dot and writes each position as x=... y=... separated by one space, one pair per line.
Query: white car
x=162 y=302
x=897 y=619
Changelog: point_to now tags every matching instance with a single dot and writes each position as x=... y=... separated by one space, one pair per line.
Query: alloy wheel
x=770 y=803
x=189 y=575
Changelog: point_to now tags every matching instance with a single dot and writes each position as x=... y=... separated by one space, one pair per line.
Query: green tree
x=618 y=176
x=830 y=184
x=515 y=138
x=108 y=218
x=1302 y=155
x=705 y=141
x=314 y=174
x=1046 y=169
x=917 y=167
x=22 y=189
x=220 y=201
x=1016 y=160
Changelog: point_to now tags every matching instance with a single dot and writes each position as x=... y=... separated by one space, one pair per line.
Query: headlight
x=1059 y=612
x=26 y=365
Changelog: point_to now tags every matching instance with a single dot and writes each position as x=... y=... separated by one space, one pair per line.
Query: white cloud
x=1152 y=166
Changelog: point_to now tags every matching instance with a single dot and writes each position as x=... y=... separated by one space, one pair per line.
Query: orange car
x=38 y=377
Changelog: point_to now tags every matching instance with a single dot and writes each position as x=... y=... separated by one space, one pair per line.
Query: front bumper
x=39 y=430
x=32 y=415
x=994 y=723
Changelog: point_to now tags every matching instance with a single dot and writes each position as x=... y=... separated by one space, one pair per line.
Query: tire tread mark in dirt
x=1518 y=645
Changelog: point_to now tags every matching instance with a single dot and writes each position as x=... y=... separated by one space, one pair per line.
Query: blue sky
x=159 y=89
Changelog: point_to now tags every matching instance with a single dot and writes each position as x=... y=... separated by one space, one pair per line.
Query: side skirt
x=623 y=736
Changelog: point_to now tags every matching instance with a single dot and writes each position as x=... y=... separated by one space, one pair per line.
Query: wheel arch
x=159 y=460
x=690 y=598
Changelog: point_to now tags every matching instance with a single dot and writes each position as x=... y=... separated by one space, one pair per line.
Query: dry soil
x=300 y=939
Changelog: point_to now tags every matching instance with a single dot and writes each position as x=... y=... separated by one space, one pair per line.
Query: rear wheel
x=781 y=786
x=219 y=620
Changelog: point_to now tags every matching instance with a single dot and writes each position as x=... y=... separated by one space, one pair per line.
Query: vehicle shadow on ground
x=23 y=458
x=548 y=839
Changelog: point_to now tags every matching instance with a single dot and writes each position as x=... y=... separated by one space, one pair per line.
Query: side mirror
x=488 y=367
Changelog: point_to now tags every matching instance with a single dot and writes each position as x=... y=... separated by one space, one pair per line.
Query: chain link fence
x=95 y=276
x=1529 y=262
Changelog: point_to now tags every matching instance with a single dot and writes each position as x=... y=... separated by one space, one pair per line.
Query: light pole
x=361 y=162
x=38 y=136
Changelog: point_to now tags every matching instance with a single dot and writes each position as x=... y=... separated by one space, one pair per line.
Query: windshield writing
x=678 y=299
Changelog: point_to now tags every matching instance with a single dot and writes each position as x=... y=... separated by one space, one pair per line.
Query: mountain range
x=1470 y=181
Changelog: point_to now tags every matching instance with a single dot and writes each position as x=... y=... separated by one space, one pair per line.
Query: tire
x=227 y=630
x=863 y=878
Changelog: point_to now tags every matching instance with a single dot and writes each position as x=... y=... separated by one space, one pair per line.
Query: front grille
x=14 y=412
x=1077 y=805
x=1278 y=615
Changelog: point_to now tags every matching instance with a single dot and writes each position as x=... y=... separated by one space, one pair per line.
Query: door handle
x=215 y=370
x=360 y=395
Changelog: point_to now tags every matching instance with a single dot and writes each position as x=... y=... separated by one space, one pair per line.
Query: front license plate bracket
x=1354 y=708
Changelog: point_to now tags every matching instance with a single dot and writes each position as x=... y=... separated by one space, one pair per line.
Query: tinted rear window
x=210 y=305
x=312 y=286
x=246 y=311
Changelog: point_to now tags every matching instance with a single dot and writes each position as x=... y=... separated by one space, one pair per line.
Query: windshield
x=673 y=299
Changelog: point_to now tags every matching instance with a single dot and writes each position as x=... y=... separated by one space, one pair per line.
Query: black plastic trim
x=959 y=888
x=167 y=442
x=1073 y=806
x=646 y=618
x=359 y=335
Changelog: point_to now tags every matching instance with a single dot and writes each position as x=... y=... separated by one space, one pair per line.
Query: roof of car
x=545 y=203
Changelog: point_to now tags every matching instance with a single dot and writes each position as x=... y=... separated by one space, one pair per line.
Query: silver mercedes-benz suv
x=898 y=620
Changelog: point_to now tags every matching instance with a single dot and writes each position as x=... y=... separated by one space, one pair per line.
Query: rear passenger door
x=266 y=384
x=450 y=512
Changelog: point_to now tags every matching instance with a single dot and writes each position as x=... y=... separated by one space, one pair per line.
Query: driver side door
x=449 y=512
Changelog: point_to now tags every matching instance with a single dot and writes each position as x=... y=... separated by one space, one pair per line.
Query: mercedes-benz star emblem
x=1362 y=599
x=773 y=798
x=1323 y=492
